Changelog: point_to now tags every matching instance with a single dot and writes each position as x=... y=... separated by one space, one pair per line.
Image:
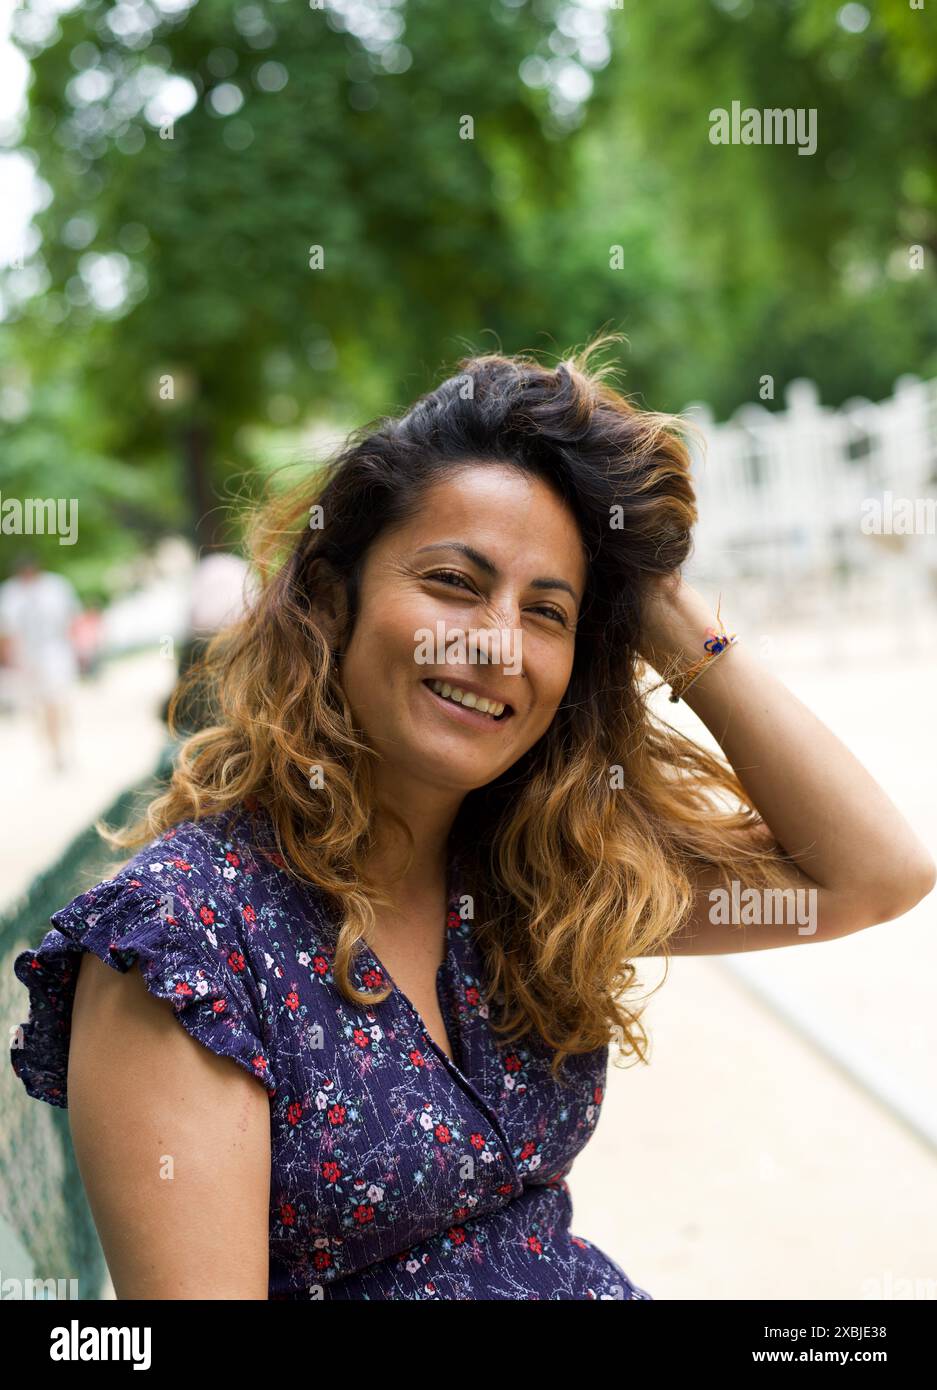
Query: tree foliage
x=358 y=193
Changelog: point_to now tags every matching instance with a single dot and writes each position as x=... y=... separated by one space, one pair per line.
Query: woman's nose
x=503 y=611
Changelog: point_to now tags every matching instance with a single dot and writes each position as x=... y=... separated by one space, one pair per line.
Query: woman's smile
x=461 y=713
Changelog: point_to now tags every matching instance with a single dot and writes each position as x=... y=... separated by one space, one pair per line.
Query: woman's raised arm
x=843 y=835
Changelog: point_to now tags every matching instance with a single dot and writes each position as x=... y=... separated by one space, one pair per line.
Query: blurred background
x=232 y=232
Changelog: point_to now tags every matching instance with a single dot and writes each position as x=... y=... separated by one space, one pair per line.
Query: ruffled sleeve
x=125 y=920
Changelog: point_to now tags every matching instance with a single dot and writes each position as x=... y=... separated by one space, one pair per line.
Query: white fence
x=782 y=494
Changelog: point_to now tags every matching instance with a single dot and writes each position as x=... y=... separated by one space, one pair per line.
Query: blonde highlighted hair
x=572 y=877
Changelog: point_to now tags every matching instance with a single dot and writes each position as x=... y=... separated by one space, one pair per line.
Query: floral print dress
x=396 y=1173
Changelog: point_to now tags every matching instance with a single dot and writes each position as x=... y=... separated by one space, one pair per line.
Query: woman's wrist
x=676 y=620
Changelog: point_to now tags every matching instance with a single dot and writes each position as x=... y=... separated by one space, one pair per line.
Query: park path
x=769 y=1150
x=116 y=738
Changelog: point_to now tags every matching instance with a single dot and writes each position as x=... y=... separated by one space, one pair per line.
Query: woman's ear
x=327 y=601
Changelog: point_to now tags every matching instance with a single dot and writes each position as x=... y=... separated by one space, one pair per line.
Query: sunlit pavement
x=115 y=738
x=743 y=1162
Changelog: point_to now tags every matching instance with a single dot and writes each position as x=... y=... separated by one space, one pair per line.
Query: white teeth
x=452 y=692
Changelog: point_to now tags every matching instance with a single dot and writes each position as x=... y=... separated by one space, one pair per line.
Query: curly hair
x=580 y=856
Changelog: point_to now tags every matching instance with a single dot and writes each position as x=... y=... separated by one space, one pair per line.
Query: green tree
x=308 y=232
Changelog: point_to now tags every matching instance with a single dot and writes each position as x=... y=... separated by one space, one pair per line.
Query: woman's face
x=523 y=585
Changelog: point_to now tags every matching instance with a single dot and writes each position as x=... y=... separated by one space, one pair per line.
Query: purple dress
x=395 y=1172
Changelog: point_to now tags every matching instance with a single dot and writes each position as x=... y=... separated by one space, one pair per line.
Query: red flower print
x=277 y=859
x=295 y=934
x=135 y=882
x=170 y=833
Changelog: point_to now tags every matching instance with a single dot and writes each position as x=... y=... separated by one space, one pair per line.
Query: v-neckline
x=366 y=953
x=472 y=1087
x=452 y=897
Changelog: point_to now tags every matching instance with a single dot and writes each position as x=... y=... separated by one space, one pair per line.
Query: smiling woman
x=410 y=913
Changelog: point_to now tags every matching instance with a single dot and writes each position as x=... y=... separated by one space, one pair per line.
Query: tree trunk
x=206 y=510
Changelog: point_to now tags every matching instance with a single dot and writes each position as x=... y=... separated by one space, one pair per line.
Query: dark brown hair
x=574 y=869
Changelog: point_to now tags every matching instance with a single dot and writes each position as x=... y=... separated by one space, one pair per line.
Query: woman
x=410 y=915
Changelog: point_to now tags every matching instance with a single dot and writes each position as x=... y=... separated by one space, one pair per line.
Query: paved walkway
x=744 y=1163
x=116 y=737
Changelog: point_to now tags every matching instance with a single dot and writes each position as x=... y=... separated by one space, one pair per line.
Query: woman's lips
x=471 y=718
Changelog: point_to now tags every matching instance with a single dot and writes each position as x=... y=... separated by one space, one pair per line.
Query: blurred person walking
x=38 y=610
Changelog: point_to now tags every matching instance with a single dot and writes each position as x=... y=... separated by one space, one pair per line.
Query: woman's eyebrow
x=488 y=566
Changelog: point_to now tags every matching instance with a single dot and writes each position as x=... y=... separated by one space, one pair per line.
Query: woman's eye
x=447 y=576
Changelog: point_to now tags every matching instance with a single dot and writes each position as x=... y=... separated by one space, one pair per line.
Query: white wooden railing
x=782 y=494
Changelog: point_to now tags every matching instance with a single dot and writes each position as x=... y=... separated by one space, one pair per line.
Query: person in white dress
x=37 y=611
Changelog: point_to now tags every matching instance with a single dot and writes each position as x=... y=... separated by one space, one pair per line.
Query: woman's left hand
x=675 y=619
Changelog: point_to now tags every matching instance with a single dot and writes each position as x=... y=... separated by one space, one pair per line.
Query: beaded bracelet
x=715 y=646
x=716 y=643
